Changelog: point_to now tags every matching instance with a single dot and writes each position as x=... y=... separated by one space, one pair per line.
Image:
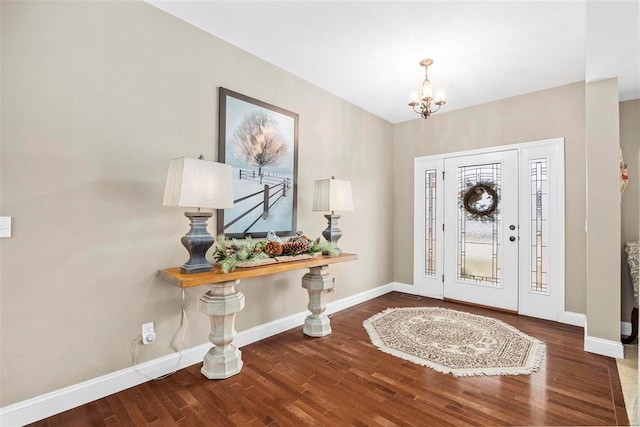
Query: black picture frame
x=260 y=142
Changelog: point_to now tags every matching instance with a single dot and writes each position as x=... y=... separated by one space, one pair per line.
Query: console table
x=223 y=301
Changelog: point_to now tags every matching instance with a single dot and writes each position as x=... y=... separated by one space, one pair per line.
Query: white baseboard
x=567 y=317
x=571 y=318
x=604 y=347
x=58 y=401
x=46 y=405
x=412 y=290
x=356 y=299
x=404 y=288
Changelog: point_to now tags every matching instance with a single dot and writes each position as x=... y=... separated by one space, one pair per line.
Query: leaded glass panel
x=539 y=234
x=478 y=243
x=430 y=222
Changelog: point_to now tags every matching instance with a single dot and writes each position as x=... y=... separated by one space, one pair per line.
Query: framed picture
x=260 y=142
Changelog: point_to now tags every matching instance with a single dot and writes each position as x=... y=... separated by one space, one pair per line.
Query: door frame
x=432 y=286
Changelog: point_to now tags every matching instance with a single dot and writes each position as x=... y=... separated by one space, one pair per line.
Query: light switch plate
x=5 y=226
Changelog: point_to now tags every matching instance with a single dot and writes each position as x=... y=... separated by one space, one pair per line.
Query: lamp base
x=332 y=233
x=197 y=241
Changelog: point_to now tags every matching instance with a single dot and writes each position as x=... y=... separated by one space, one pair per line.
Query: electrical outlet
x=148 y=335
x=5 y=226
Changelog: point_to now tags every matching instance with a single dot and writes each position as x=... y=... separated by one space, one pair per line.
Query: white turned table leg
x=221 y=304
x=317 y=281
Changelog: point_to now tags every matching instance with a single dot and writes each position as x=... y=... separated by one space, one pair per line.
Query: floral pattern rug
x=455 y=342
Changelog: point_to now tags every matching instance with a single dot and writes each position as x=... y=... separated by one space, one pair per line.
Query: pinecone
x=231 y=250
x=273 y=248
x=295 y=247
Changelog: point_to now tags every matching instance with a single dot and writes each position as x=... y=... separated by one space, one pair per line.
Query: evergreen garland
x=229 y=253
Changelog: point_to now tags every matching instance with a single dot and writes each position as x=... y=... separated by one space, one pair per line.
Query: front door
x=481 y=229
x=489 y=227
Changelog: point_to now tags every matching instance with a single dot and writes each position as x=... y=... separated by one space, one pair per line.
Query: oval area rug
x=455 y=342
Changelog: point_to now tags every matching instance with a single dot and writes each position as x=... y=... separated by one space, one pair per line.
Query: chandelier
x=426 y=94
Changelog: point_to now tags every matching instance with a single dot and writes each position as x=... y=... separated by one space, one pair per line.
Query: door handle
x=512 y=238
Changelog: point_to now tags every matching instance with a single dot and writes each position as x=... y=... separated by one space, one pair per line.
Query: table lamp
x=332 y=195
x=196 y=183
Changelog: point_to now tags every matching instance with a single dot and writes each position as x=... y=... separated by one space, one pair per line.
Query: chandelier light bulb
x=427 y=92
x=413 y=98
x=440 y=96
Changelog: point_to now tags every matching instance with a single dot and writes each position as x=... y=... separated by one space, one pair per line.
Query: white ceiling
x=367 y=52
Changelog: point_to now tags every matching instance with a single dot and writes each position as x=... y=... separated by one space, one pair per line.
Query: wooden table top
x=183 y=280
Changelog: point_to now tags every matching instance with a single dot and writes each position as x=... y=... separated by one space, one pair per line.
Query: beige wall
x=603 y=209
x=97 y=97
x=630 y=205
x=557 y=112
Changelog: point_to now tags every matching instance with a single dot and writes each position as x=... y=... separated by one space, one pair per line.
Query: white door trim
x=433 y=286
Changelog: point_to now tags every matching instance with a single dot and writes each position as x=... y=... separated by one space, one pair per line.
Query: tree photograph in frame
x=260 y=142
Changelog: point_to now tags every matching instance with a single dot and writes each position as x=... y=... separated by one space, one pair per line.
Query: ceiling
x=367 y=52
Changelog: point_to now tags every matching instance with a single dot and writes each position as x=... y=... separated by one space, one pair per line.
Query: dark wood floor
x=343 y=380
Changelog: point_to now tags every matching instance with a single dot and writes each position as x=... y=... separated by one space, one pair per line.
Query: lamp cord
x=334 y=298
x=177 y=343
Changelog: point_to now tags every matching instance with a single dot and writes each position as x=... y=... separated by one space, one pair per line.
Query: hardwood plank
x=622 y=418
x=342 y=379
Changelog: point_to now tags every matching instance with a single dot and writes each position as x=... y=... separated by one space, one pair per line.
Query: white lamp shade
x=332 y=195
x=199 y=184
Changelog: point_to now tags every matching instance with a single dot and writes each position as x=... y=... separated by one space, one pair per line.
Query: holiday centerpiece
x=231 y=254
